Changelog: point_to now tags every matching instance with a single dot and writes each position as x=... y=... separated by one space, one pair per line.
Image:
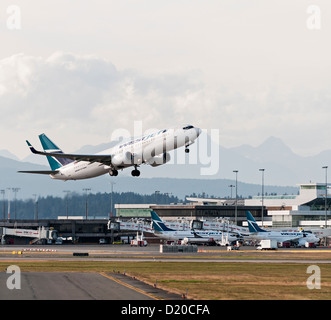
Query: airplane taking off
x=193 y=236
x=256 y=233
x=149 y=149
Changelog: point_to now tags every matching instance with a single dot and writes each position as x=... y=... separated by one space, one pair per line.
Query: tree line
x=74 y=204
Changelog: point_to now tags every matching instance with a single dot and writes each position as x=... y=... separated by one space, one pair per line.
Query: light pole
x=9 y=203
x=326 y=195
x=111 y=198
x=231 y=186
x=4 y=205
x=236 y=209
x=262 y=170
x=15 y=190
x=86 y=205
x=326 y=192
x=36 y=206
x=67 y=193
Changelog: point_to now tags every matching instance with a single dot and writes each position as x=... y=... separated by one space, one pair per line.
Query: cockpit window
x=188 y=127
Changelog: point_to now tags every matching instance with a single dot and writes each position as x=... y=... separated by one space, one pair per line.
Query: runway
x=152 y=253
x=79 y=286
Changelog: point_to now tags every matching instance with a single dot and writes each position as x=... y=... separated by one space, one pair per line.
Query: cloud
x=84 y=97
x=81 y=99
x=63 y=86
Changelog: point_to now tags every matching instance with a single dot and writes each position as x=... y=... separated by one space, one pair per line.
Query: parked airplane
x=256 y=233
x=192 y=236
x=149 y=149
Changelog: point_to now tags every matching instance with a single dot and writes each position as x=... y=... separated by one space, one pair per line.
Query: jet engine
x=159 y=159
x=124 y=158
x=307 y=238
x=302 y=242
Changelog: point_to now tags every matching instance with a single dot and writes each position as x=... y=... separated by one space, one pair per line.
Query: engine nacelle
x=159 y=159
x=121 y=159
x=303 y=242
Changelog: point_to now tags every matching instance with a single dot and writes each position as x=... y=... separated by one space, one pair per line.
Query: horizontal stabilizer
x=41 y=172
x=105 y=159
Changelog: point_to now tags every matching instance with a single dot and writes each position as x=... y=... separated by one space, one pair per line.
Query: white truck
x=267 y=245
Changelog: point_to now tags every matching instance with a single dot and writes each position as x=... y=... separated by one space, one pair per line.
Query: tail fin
x=49 y=146
x=158 y=224
x=252 y=225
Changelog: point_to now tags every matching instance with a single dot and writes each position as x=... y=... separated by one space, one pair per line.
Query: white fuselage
x=205 y=234
x=133 y=153
x=283 y=236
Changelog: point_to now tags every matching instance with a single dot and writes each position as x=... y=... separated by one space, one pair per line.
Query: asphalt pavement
x=76 y=286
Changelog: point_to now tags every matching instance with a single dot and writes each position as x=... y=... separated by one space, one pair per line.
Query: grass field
x=281 y=281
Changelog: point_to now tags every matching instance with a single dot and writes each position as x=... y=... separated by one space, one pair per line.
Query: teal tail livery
x=49 y=146
x=191 y=236
x=55 y=163
x=252 y=225
x=158 y=224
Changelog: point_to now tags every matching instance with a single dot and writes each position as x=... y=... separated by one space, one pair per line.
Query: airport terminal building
x=306 y=209
x=309 y=209
x=197 y=209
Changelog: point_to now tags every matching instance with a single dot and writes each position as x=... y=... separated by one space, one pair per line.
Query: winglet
x=33 y=150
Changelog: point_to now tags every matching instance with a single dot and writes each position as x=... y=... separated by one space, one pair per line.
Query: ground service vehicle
x=267 y=245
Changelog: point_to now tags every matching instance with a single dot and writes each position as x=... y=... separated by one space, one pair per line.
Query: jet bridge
x=41 y=233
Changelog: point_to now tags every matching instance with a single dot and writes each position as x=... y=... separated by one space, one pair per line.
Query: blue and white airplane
x=152 y=149
x=193 y=236
x=256 y=233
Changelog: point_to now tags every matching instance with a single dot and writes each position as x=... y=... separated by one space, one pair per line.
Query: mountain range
x=183 y=175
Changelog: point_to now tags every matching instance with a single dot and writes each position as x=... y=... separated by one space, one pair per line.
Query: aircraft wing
x=41 y=172
x=105 y=159
x=288 y=239
x=197 y=237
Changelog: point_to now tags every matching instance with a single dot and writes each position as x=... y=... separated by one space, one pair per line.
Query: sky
x=79 y=70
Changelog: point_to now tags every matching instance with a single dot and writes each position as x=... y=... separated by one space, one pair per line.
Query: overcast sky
x=78 y=70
